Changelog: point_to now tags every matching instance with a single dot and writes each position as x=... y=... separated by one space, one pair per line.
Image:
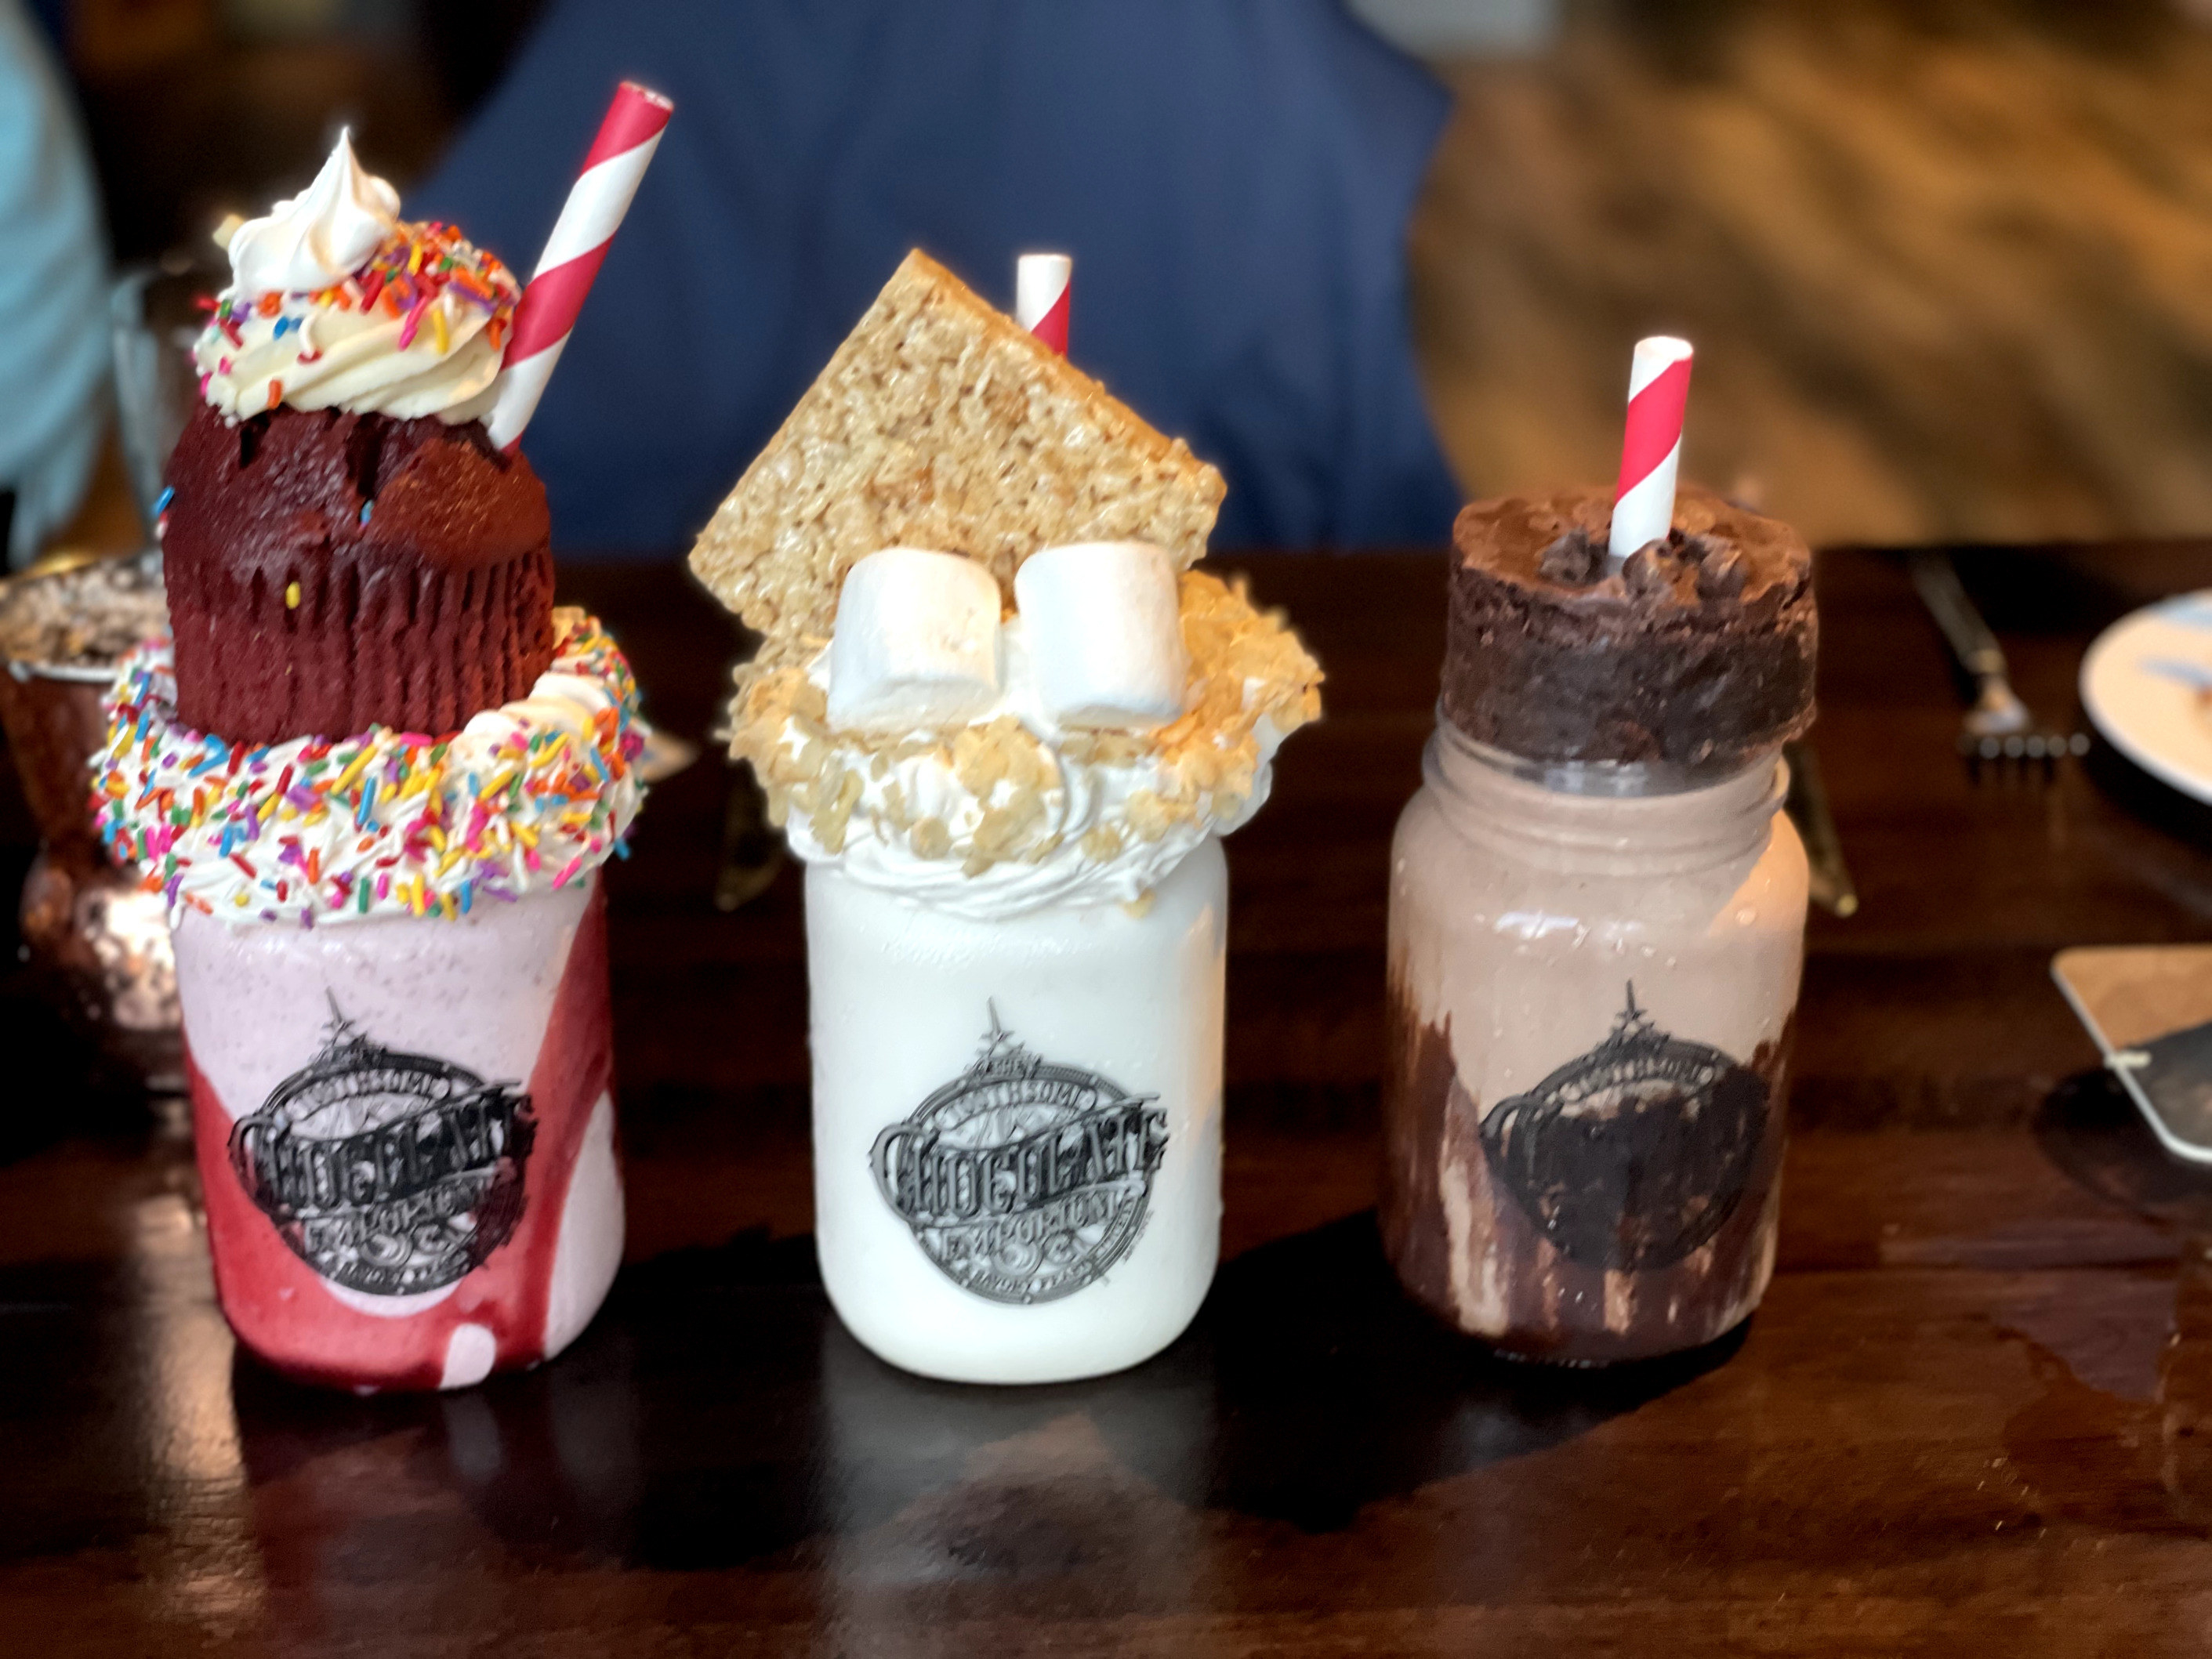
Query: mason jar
x=1593 y=974
x=1017 y=1123
x=405 y=1129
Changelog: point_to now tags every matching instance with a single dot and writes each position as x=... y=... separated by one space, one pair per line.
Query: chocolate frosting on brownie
x=328 y=571
x=1698 y=653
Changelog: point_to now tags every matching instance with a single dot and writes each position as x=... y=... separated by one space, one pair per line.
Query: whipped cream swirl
x=529 y=796
x=336 y=302
x=1010 y=813
x=320 y=236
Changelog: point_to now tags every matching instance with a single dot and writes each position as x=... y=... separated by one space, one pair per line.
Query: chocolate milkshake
x=1596 y=927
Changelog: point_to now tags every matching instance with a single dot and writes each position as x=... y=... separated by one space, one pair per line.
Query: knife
x=1830 y=878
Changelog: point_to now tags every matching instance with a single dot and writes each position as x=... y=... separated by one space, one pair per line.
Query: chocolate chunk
x=1701 y=655
x=1652 y=572
x=1573 y=560
x=1721 y=575
x=1693 y=547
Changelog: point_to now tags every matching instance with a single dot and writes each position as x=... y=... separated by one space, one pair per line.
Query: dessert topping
x=1105 y=635
x=412 y=321
x=529 y=795
x=319 y=236
x=1012 y=811
x=916 y=642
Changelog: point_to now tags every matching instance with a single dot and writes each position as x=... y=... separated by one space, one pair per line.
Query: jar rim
x=1612 y=779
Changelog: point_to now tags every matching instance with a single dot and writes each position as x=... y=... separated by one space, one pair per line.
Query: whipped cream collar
x=336 y=302
x=1009 y=813
x=529 y=796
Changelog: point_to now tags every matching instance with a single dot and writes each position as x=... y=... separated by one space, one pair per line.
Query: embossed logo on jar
x=1024 y=1179
x=389 y=1173
x=1633 y=1155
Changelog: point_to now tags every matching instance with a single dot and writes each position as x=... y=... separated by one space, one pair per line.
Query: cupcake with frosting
x=371 y=706
x=345 y=546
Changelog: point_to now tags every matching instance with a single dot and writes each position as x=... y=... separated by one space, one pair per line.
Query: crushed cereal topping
x=1066 y=810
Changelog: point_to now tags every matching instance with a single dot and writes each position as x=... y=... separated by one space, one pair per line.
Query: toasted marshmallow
x=915 y=644
x=1104 y=627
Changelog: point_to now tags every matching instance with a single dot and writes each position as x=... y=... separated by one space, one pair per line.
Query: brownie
x=1697 y=652
x=328 y=571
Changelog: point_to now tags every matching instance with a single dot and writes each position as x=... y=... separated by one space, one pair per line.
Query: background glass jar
x=1594 y=972
x=1018 y=1124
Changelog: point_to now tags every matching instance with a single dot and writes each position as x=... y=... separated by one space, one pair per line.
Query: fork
x=1997 y=734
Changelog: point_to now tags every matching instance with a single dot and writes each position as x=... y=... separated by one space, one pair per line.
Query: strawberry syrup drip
x=278 y=1304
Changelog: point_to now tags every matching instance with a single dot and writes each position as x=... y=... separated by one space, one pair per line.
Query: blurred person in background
x=54 y=352
x=1233 y=178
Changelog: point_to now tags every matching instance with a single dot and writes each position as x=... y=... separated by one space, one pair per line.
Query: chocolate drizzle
x=1646 y=1266
x=1418 y=1088
x=1632 y=1155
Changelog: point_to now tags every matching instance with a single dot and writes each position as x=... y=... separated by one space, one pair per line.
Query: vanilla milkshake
x=1017 y=1123
x=1597 y=916
x=1017 y=1044
x=1005 y=726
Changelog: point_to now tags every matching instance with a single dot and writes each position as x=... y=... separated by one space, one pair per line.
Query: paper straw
x=1652 y=444
x=1040 y=284
x=594 y=210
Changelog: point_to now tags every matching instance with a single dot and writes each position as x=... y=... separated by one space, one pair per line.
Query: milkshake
x=1017 y=1123
x=1596 y=927
x=406 y=1136
x=374 y=782
x=1004 y=725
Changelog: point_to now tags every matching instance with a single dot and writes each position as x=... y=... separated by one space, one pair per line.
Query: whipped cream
x=337 y=303
x=1011 y=812
x=318 y=237
x=527 y=796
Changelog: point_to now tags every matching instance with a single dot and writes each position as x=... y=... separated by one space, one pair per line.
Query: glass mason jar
x=1594 y=972
x=1018 y=1124
x=406 y=1128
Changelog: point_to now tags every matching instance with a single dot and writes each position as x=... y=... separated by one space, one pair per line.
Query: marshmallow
x=916 y=642
x=1104 y=629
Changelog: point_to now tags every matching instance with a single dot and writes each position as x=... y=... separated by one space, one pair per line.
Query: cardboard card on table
x=2149 y=1008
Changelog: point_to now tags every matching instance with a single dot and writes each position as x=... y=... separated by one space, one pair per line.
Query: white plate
x=2146 y=684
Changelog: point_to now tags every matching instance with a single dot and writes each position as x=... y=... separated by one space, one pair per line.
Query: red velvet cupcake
x=344 y=547
x=329 y=572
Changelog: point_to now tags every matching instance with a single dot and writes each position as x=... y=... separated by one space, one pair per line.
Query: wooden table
x=1975 y=1414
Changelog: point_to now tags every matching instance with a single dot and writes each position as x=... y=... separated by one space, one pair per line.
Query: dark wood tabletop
x=1973 y=1416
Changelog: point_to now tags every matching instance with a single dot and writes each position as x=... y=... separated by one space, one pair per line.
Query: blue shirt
x=1233 y=178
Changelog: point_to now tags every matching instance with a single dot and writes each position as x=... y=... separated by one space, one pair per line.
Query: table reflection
x=718 y=1416
x=205 y=1561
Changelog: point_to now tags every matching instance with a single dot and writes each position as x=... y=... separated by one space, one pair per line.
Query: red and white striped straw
x=1651 y=446
x=594 y=210
x=1040 y=284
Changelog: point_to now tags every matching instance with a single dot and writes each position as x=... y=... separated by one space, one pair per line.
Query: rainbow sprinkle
x=430 y=280
x=525 y=797
x=414 y=268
